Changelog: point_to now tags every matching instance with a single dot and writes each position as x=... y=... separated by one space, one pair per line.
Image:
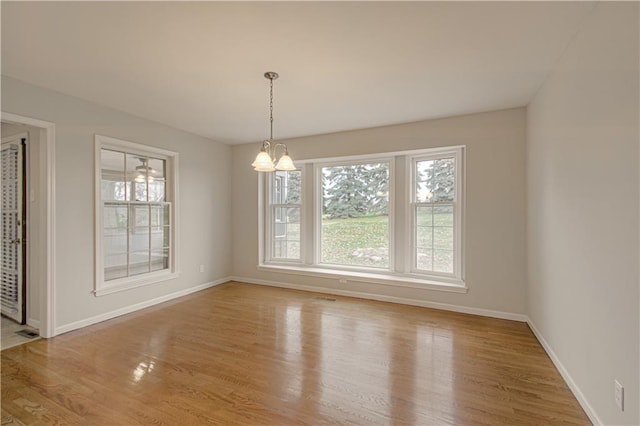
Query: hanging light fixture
x=144 y=171
x=266 y=158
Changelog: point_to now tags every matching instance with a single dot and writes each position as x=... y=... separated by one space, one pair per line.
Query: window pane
x=286 y=233
x=286 y=187
x=355 y=221
x=115 y=219
x=137 y=166
x=156 y=177
x=115 y=256
x=443 y=238
x=443 y=215
x=277 y=248
x=115 y=266
x=435 y=180
x=424 y=190
x=434 y=238
x=139 y=239
x=139 y=191
x=160 y=259
x=443 y=261
x=424 y=259
x=138 y=262
x=424 y=237
x=112 y=170
x=157 y=239
x=424 y=216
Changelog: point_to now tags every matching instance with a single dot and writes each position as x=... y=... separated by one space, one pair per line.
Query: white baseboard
x=588 y=409
x=392 y=299
x=33 y=323
x=132 y=308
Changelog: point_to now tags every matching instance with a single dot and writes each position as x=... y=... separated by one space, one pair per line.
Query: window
x=434 y=209
x=353 y=231
x=135 y=213
x=284 y=215
x=354 y=216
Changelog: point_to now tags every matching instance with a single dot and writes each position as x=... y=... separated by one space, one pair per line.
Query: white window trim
x=268 y=214
x=103 y=287
x=400 y=273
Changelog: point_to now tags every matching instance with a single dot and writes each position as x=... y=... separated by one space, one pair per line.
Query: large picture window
x=135 y=236
x=351 y=230
x=354 y=217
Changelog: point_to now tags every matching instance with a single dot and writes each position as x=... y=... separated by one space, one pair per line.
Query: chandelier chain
x=271 y=108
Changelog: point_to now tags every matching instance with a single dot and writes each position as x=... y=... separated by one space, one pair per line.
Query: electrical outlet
x=201 y=268
x=618 y=394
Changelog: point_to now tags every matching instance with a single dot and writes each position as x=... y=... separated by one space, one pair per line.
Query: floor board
x=241 y=354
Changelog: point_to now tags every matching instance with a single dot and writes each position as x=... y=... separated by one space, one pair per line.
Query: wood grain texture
x=241 y=354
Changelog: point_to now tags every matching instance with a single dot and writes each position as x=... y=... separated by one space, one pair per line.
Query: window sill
x=398 y=280
x=129 y=283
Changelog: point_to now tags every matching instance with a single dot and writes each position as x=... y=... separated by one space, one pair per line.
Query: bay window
x=337 y=218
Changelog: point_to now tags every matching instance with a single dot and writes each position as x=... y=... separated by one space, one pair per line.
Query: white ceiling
x=199 y=66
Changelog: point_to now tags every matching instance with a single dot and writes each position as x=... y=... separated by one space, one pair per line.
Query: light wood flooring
x=241 y=354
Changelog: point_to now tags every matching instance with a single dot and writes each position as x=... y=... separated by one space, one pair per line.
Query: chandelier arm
x=280 y=144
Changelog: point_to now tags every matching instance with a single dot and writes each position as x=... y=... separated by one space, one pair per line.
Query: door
x=12 y=268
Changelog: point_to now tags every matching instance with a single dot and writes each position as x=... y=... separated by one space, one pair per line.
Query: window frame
x=101 y=286
x=270 y=207
x=401 y=272
x=458 y=226
x=318 y=197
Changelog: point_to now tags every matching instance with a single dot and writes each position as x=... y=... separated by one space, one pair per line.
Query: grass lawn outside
x=364 y=241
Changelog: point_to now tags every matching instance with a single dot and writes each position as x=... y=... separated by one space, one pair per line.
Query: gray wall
x=582 y=186
x=204 y=186
x=495 y=204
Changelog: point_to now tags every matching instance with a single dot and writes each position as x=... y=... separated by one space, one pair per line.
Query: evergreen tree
x=436 y=180
x=354 y=191
x=441 y=177
x=292 y=187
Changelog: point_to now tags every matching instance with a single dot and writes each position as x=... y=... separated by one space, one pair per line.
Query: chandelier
x=266 y=158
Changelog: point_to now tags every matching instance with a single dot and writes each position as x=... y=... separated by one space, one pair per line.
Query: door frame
x=48 y=234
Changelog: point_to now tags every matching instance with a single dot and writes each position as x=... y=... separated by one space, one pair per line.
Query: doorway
x=39 y=229
x=13 y=294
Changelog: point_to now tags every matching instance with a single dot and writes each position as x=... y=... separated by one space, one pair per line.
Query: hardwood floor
x=247 y=355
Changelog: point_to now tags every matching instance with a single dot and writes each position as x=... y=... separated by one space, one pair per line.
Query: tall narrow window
x=135 y=212
x=285 y=212
x=435 y=214
x=354 y=228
